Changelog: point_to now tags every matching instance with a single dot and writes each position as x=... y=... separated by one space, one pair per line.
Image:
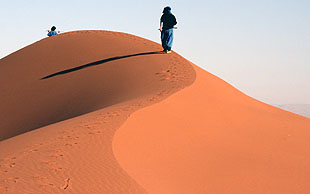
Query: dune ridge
x=105 y=112
x=212 y=138
x=301 y=109
x=95 y=69
x=93 y=81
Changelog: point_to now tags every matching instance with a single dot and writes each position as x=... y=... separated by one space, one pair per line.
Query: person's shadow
x=98 y=63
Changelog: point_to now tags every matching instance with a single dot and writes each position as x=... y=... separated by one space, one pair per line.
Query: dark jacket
x=169 y=21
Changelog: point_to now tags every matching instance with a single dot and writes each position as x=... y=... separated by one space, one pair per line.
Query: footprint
x=11 y=180
x=2 y=188
x=33 y=150
x=3 y=171
x=56 y=169
x=152 y=99
x=10 y=165
x=66 y=185
x=71 y=144
x=160 y=94
x=57 y=155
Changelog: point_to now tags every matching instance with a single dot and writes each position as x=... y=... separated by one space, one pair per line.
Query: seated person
x=52 y=32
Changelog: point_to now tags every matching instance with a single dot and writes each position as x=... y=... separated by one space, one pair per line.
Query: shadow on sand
x=98 y=63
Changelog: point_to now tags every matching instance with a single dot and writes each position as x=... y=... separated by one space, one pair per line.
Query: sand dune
x=73 y=74
x=105 y=112
x=219 y=141
x=301 y=109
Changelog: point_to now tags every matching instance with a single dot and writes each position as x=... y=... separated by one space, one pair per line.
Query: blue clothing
x=52 y=33
x=167 y=39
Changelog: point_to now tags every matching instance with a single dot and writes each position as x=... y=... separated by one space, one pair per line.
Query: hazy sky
x=262 y=47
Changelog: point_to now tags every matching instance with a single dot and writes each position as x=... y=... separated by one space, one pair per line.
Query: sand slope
x=211 y=138
x=104 y=112
x=72 y=74
x=85 y=71
x=301 y=109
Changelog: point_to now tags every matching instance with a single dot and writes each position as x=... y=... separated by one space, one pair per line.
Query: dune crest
x=79 y=87
x=211 y=138
x=104 y=112
x=74 y=73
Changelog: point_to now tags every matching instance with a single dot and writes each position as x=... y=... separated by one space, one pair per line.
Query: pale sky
x=262 y=47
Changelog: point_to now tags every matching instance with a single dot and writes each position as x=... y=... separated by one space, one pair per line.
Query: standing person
x=167 y=23
x=52 y=32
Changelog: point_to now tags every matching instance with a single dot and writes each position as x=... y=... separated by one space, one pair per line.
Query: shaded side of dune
x=83 y=85
x=75 y=73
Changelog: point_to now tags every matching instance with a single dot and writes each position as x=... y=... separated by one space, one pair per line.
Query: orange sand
x=211 y=138
x=206 y=138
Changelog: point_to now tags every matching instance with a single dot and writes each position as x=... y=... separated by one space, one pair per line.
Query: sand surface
x=105 y=112
x=220 y=141
x=301 y=109
x=83 y=85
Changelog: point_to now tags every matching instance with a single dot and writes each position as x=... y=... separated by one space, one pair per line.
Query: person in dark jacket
x=52 y=32
x=167 y=23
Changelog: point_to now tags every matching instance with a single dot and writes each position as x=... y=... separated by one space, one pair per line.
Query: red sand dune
x=82 y=87
x=211 y=138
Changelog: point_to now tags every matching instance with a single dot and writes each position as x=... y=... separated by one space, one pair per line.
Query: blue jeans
x=167 y=39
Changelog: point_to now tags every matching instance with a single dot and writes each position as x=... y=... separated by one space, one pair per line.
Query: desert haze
x=90 y=112
x=301 y=109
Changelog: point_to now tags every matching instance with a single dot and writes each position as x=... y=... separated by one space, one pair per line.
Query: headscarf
x=167 y=10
